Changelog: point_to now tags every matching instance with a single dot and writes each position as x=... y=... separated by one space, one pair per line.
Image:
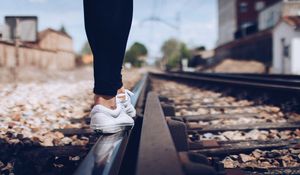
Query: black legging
x=107 y=24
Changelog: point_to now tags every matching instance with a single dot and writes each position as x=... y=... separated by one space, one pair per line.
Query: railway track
x=233 y=124
x=275 y=79
x=186 y=124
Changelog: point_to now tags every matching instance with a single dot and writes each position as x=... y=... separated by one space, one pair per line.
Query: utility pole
x=17 y=48
x=17 y=42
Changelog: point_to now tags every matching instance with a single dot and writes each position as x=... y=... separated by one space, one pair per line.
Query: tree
x=200 y=48
x=135 y=53
x=173 y=51
x=170 y=48
x=139 y=49
x=184 y=51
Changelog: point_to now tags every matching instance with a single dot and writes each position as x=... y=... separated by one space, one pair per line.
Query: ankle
x=104 y=100
x=121 y=90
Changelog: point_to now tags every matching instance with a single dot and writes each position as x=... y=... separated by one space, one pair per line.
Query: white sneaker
x=126 y=105
x=110 y=121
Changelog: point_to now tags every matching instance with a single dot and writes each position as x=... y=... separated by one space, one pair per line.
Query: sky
x=192 y=21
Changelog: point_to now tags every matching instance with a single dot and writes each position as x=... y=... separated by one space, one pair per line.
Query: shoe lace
x=127 y=102
x=129 y=92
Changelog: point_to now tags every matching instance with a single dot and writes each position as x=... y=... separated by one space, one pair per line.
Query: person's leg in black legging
x=107 y=24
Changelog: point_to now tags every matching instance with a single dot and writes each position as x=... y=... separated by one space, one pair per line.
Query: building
x=25 y=28
x=270 y=16
x=238 y=18
x=257 y=46
x=259 y=39
x=227 y=21
x=291 y=8
x=51 y=39
x=3 y=32
x=286 y=46
x=201 y=58
x=22 y=45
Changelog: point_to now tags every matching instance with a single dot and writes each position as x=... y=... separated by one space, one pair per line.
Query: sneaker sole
x=111 y=129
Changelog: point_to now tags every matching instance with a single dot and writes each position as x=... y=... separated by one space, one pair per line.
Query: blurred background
x=43 y=42
x=259 y=36
x=46 y=62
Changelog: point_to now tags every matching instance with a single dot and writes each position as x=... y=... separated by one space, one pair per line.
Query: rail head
x=265 y=79
x=157 y=152
x=223 y=82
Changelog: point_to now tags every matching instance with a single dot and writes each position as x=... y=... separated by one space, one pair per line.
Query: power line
x=156 y=16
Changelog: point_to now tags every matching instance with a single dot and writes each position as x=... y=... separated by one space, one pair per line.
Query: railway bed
x=238 y=131
x=186 y=124
x=68 y=152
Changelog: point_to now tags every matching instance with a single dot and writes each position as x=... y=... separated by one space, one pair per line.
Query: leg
x=107 y=24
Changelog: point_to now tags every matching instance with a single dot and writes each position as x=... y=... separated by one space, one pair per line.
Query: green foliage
x=200 y=48
x=135 y=53
x=173 y=51
x=139 y=49
x=86 y=49
x=184 y=51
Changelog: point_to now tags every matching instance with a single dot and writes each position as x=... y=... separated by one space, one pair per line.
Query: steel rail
x=274 y=76
x=223 y=81
x=250 y=78
x=106 y=155
x=275 y=92
x=157 y=153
